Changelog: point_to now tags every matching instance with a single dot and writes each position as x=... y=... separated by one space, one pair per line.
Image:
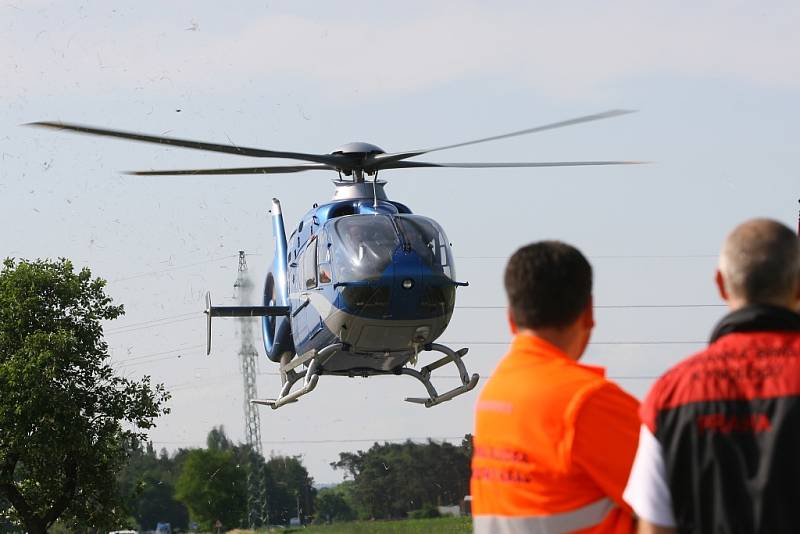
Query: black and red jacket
x=728 y=421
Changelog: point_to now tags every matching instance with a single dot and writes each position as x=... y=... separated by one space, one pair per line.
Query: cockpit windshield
x=425 y=237
x=363 y=246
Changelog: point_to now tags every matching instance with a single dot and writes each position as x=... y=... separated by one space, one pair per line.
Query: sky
x=716 y=86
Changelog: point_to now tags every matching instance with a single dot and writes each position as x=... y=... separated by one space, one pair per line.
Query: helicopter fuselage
x=364 y=272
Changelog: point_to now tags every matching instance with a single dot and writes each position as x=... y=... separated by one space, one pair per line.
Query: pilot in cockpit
x=364 y=241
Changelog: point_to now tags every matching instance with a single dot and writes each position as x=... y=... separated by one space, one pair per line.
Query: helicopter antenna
x=375 y=191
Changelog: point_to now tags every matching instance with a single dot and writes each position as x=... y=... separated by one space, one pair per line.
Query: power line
x=138 y=360
x=493 y=306
x=189 y=316
x=154 y=323
x=210 y=382
x=170 y=269
x=459 y=258
x=609 y=257
x=193 y=316
x=660 y=342
x=608 y=306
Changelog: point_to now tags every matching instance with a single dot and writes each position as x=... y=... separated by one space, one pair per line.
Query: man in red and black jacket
x=719 y=449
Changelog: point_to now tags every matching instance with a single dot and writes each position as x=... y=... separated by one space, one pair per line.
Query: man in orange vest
x=554 y=440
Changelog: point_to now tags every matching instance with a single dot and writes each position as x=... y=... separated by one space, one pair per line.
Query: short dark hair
x=548 y=284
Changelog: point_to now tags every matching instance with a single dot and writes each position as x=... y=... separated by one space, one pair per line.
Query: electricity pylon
x=257 y=512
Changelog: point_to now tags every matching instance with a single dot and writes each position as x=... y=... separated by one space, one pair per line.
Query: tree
x=5 y=513
x=213 y=486
x=332 y=506
x=290 y=490
x=218 y=440
x=213 y=483
x=148 y=486
x=64 y=415
x=393 y=479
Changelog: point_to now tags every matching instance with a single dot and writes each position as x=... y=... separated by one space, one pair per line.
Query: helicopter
x=362 y=285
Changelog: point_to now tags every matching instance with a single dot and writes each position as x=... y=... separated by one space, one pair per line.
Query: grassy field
x=443 y=525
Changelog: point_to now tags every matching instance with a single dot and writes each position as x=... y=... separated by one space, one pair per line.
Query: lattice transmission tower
x=257 y=512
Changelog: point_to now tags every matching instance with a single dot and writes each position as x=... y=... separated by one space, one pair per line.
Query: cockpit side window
x=324 y=257
x=310 y=265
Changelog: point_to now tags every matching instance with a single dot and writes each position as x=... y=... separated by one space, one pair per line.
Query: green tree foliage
x=428 y=511
x=213 y=486
x=333 y=505
x=393 y=479
x=148 y=486
x=64 y=415
x=217 y=440
x=5 y=513
x=289 y=489
x=213 y=483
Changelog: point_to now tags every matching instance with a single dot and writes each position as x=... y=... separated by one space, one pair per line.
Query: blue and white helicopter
x=362 y=285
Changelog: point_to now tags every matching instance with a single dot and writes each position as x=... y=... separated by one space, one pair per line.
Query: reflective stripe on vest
x=584 y=517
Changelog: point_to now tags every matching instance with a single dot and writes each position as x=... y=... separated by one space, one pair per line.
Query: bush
x=428 y=511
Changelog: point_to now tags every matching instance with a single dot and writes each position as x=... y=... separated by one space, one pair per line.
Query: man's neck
x=564 y=339
x=735 y=304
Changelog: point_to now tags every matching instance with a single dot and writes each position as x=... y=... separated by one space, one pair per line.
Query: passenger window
x=310 y=264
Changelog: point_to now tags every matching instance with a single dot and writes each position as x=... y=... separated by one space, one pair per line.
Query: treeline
x=387 y=481
x=198 y=487
x=204 y=486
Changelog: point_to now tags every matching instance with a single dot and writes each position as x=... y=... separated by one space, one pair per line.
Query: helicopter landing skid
x=424 y=376
x=289 y=377
x=314 y=360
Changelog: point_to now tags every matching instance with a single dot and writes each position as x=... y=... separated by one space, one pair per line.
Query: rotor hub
x=359 y=147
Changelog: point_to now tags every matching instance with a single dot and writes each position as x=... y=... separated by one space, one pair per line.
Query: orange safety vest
x=553 y=445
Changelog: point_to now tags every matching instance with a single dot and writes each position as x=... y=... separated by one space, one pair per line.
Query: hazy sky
x=717 y=86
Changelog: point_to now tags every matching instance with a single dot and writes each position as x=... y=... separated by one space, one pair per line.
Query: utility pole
x=257 y=511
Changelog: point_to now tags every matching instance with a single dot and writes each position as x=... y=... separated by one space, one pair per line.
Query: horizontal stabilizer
x=238 y=311
x=247 y=311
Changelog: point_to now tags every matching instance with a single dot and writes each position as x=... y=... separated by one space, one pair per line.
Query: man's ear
x=588 y=314
x=511 y=324
x=721 y=285
x=797 y=297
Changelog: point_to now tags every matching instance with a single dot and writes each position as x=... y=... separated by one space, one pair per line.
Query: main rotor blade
x=186 y=143
x=239 y=170
x=489 y=165
x=397 y=156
